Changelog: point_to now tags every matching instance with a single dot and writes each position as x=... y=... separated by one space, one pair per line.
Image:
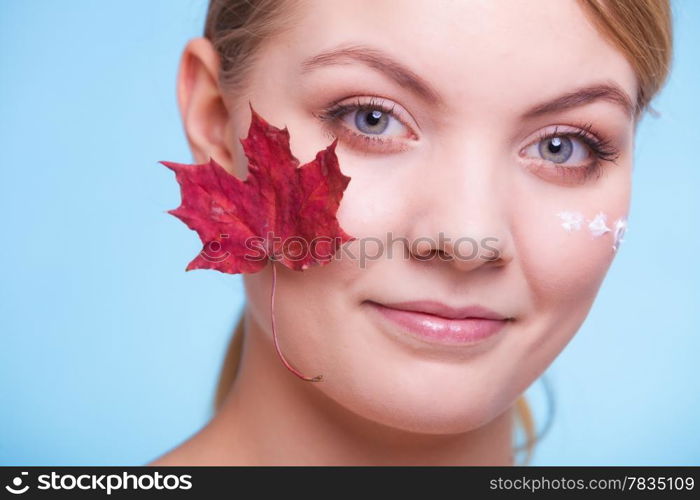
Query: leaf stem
x=296 y=372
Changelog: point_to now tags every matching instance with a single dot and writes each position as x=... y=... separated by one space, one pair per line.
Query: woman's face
x=462 y=101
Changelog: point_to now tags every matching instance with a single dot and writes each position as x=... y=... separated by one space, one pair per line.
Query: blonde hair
x=640 y=29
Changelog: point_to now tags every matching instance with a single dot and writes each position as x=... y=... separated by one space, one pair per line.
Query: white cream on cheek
x=597 y=226
x=620 y=228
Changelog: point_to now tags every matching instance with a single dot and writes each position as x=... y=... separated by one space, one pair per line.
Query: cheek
x=562 y=269
x=309 y=307
x=565 y=246
x=371 y=204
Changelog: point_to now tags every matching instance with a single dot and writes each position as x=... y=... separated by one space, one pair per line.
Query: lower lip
x=435 y=329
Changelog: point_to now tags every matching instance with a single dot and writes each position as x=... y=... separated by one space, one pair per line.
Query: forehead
x=503 y=52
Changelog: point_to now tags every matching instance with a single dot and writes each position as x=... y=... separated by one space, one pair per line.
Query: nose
x=461 y=214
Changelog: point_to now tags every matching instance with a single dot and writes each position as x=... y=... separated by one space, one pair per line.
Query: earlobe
x=202 y=108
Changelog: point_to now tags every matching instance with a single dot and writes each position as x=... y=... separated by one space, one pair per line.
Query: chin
x=446 y=410
x=435 y=419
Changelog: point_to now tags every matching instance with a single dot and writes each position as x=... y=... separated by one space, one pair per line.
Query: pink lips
x=439 y=323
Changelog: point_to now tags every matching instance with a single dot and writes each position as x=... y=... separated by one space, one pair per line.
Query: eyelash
x=333 y=114
x=601 y=147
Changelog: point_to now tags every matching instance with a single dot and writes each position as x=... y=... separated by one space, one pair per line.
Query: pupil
x=374 y=117
x=555 y=145
x=372 y=121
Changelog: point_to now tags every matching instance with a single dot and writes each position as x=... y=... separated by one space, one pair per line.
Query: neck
x=270 y=417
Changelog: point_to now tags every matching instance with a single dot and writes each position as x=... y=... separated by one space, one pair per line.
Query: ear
x=204 y=114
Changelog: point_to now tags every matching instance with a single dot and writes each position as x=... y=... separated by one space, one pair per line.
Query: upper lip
x=443 y=310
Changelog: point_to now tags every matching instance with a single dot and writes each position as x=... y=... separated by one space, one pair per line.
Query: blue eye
x=373 y=122
x=575 y=148
x=560 y=149
x=369 y=126
x=370 y=120
x=571 y=157
x=373 y=118
x=556 y=149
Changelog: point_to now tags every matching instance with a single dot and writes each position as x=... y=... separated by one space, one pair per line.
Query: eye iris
x=556 y=149
x=372 y=122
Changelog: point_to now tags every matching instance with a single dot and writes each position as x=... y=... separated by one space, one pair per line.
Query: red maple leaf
x=281 y=212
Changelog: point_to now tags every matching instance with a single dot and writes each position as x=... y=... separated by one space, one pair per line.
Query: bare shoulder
x=191 y=451
x=179 y=456
x=170 y=460
x=206 y=447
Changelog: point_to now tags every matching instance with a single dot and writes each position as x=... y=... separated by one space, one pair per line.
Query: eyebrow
x=405 y=77
x=607 y=91
x=377 y=60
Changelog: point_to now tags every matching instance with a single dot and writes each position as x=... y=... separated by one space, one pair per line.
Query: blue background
x=109 y=351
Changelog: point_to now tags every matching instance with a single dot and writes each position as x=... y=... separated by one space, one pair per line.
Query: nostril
x=435 y=254
x=444 y=255
x=424 y=254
